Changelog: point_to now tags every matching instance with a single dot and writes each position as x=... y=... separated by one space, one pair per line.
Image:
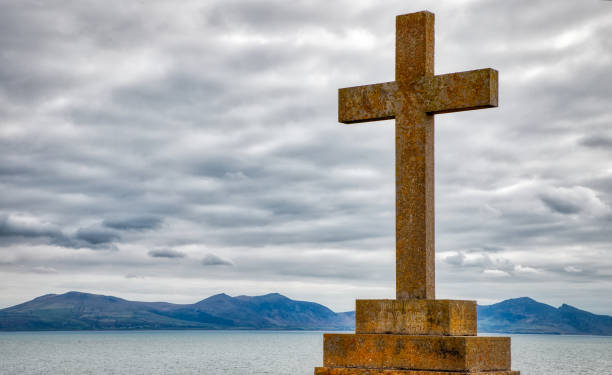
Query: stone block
x=439 y=353
x=416 y=317
x=366 y=371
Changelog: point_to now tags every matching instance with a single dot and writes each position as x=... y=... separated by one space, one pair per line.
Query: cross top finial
x=412 y=100
x=414 y=46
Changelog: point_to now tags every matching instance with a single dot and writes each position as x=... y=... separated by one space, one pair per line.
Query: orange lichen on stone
x=367 y=103
x=454 y=92
x=416 y=317
x=439 y=353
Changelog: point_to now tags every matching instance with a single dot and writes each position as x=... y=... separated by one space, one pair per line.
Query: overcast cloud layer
x=167 y=150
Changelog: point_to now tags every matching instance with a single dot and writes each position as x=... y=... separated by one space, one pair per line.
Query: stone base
x=365 y=371
x=416 y=317
x=432 y=353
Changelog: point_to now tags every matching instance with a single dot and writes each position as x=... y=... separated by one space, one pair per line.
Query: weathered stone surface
x=439 y=353
x=367 y=371
x=416 y=334
x=454 y=92
x=368 y=103
x=416 y=317
x=412 y=99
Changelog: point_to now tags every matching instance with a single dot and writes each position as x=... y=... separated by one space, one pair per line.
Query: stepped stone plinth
x=440 y=353
x=416 y=334
x=416 y=317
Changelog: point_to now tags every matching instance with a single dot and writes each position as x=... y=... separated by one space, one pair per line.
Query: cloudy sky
x=163 y=150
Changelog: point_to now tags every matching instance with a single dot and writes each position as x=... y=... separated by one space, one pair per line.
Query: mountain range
x=84 y=311
x=525 y=315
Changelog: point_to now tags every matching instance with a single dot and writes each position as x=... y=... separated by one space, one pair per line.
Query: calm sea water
x=248 y=352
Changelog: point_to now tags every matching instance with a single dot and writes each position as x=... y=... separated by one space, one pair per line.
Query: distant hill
x=525 y=315
x=84 y=311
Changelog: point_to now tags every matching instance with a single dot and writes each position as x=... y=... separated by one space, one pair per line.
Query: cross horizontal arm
x=367 y=103
x=474 y=89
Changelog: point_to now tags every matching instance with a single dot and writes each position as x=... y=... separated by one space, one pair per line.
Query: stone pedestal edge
x=362 y=371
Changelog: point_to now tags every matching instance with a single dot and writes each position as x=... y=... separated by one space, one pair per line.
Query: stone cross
x=412 y=100
x=416 y=334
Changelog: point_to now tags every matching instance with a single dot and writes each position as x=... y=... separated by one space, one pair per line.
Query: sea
x=248 y=352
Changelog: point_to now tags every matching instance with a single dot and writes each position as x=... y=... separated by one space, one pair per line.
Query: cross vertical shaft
x=414 y=162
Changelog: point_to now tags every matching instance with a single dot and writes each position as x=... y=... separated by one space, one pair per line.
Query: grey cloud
x=456 y=259
x=597 y=141
x=27 y=228
x=481 y=261
x=586 y=270
x=559 y=205
x=133 y=276
x=96 y=236
x=574 y=200
x=166 y=253
x=44 y=270
x=492 y=249
x=133 y=223
x=267 y=16
x=214 y=260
